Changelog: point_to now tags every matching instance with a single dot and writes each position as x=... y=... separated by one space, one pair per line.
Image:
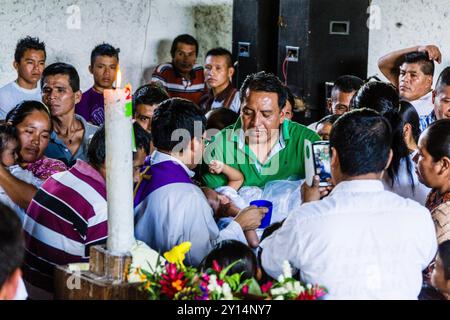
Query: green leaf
x=224 y=272
x=233 y=281
x=254 y=288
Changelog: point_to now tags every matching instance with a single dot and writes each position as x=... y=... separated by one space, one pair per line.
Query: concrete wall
x=406 y=23
x=143 y=30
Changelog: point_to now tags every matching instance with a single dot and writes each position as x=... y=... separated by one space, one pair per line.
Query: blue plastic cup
x=265 y=222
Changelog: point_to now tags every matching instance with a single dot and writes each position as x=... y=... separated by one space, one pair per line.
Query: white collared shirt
x=280 y=145
x=158 y=156
x=360 y=242
x=179 y=212
x=424 y=105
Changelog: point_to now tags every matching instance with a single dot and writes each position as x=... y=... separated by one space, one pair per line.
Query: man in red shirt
x=182 y=77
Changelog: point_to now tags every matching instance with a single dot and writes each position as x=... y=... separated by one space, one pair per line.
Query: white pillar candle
x=119 y=172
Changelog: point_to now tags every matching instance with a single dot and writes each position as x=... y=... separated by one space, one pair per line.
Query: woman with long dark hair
x=404 y=121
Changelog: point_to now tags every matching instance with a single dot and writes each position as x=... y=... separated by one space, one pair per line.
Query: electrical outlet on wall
x=292 y=53
x=244 y=49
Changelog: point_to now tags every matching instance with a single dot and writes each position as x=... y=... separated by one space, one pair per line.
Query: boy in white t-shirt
x=29 y=61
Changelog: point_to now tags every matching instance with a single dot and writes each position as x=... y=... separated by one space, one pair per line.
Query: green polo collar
x=238 y=125
x=235 y=138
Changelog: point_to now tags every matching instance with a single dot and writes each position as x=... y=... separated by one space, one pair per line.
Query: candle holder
x=105 y=280
x=112 y=267
x=109 y=267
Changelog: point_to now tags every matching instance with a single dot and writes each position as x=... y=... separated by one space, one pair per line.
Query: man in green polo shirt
x=262 y=144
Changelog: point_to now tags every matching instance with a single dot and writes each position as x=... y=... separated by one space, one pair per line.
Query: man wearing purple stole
x=169 y=207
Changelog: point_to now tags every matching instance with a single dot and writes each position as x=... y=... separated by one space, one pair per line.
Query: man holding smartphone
x=360 y=242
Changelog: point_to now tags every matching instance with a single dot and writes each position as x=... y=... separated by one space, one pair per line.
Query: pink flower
x=205 y=277
x=266 y=287
x=312 y=294
x=245 y=289
x=172 y=281
x=216 y=266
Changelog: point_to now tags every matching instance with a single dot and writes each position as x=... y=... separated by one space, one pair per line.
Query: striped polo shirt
x=178 y=86
x=67 y=215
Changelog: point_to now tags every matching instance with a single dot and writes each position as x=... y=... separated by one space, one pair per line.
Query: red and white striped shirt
x=66 y=217
x=177 y=86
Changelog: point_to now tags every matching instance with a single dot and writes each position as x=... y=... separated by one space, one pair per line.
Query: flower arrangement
x=175 y=281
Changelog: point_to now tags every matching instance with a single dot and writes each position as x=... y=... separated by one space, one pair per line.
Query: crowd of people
x=379 y=230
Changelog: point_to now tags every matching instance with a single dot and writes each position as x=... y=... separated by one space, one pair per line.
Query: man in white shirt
x=360 y=242
x=169 y=208
x=411 y=71
x=29 y=61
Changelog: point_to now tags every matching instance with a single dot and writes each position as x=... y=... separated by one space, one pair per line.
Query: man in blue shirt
x=71 y=133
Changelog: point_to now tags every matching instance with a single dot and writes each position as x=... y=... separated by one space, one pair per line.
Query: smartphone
x=317 y=162
x=322 y=164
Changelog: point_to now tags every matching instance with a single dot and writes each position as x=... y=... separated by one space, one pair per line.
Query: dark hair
x=428 y=292
x=142 y=138
x=271 y=229
x=444 y=253
x=183 y=38
x=331 y=118
x=149 y=94
x=408 y=115
x=18 y=114
x=362 y=139
x=229 y=251
x=28 y=43
x=377 y=95
x=443 y=80
x=383 y=98
x=96 y=153
x=437 y=140
x=64 y=69
x=347 y=84
x=7 y=133
x=266 y=82
x=290 y=98
x=221 y=118
x=104 y=49
x=11 y=243
x=221 y=52
x=173 y=114
x=421 y=58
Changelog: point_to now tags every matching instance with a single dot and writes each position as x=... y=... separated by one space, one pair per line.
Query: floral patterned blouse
x=439 y=206
x=45 y=167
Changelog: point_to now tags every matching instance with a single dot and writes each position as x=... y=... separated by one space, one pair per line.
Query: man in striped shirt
x=182 y=77
x=66 y=217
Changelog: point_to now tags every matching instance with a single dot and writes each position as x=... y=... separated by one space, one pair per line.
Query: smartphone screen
x=322 y=166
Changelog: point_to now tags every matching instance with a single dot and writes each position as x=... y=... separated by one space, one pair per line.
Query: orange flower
x=178 y=285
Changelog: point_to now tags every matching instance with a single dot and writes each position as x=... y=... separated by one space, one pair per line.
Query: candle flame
x=118 y=78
